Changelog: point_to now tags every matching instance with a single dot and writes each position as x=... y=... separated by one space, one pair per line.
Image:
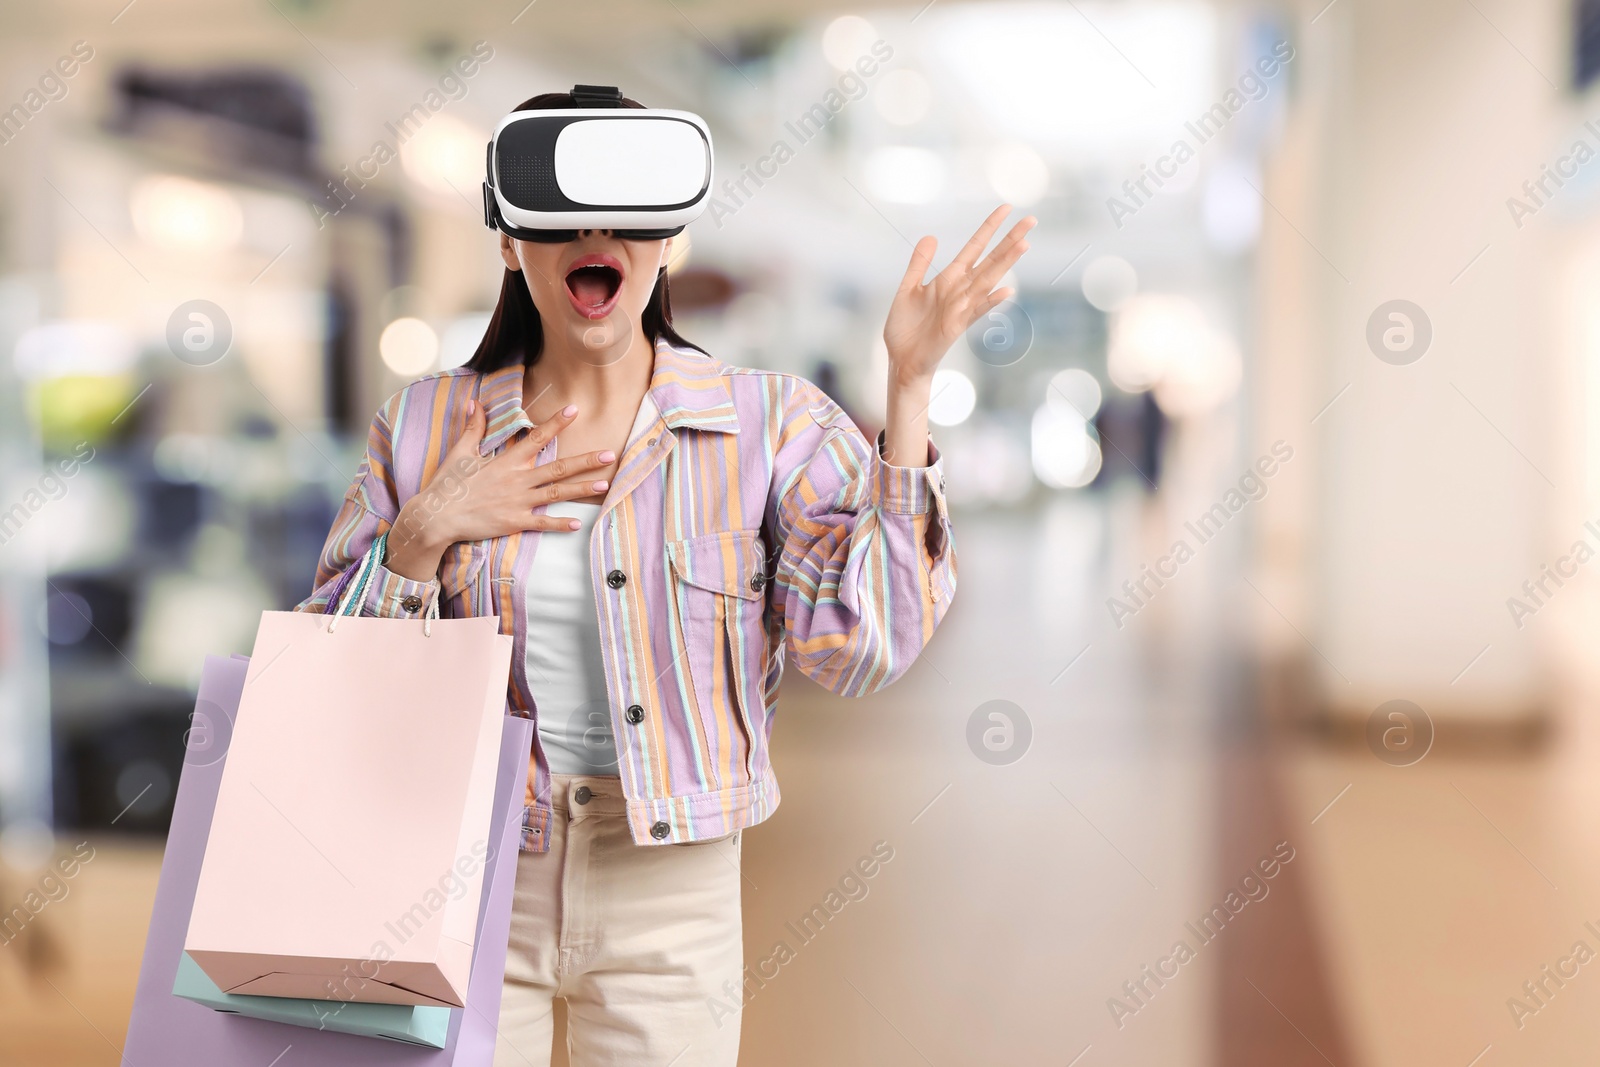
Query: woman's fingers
x=557 y=492
x=990 y=302
x=921 y=259
x=551 y=523
x=549 y=494
x=1004 y=256
x=559 y=470
x=534 y=441
x=979 y=241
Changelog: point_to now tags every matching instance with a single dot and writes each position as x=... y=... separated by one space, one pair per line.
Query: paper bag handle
x=355 y=593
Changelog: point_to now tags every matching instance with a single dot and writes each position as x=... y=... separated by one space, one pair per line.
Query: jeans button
x=660 y=830
x=616 y=579
x=635 y=714
x=582 y=794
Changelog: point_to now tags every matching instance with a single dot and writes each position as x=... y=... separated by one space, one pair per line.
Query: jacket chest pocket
x=718 y=597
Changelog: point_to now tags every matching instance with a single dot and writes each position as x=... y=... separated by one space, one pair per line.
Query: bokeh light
x=408 y=347
x=953 y=398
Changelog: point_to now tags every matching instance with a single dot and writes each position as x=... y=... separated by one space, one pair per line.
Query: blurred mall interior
x=1273 y=488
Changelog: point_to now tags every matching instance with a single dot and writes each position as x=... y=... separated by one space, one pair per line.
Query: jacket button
x=412 y=603
x=582 y=794
x=759 y=582
x=616 y=579
x=660 y=830
x=635 y=714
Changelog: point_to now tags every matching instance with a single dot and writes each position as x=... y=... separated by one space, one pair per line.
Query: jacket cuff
x=393 y=596
x=910 y=490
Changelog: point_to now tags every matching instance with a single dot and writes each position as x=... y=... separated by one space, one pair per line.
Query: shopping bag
x=411 y=1023
x=170 y=1031
x=345 y=854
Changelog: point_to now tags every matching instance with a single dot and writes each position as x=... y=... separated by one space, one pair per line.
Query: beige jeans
x=638 y=940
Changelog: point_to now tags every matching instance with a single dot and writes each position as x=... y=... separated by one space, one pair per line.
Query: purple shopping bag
x=169 y=1031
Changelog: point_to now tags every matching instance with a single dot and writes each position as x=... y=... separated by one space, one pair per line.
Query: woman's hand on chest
x=472 y=498
x=594 y=435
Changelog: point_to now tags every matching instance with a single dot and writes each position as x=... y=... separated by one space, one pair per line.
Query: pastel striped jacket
x=751 y=519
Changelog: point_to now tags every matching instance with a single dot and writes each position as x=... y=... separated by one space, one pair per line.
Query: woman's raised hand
x=471 y=498
x=925 y=319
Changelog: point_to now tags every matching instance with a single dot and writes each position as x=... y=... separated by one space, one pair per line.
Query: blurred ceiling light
x=847 y=39
x=1065 y=455
x=903 y=97
x=1230 y=211
x=905 y=175
x=953 y=398
x=409 y=347
x=1208 y=374
x=446 y=157
x=1018 y=174
x=173 y=212
x=1074 y=391
x=71 y=347
x=1149 y=333
x=1165 y=342
x=461 y=337
x=1048 y=71
x=1108 y=281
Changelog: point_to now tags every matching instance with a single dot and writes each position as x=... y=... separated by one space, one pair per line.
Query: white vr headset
x=642 y=173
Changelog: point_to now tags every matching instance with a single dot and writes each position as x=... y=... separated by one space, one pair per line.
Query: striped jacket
x=750 y=519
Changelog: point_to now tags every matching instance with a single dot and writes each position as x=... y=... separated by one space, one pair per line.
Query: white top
x=565 y=670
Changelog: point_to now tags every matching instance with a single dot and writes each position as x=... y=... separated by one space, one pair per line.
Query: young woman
x=656 y=529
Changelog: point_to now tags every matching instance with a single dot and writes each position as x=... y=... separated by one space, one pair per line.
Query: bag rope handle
x=355 y=593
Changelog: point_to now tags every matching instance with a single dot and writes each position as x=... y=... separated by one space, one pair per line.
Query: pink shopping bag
x=344 y=860
x=170 y=1031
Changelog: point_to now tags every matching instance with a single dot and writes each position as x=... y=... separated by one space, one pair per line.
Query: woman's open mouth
x=594 y=282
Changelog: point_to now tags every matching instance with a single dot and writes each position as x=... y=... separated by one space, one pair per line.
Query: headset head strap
x=597 y=96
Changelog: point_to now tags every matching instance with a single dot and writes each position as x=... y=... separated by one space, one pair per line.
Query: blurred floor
x=1019 y=899
x=74 y=1012
x=1443 y=887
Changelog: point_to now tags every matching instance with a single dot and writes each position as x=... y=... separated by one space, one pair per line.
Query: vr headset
x=641 y=173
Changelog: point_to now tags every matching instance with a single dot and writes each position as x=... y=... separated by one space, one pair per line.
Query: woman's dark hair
x=515 y=333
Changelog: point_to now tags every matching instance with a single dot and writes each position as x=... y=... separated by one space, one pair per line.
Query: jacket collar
x=687 y=387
